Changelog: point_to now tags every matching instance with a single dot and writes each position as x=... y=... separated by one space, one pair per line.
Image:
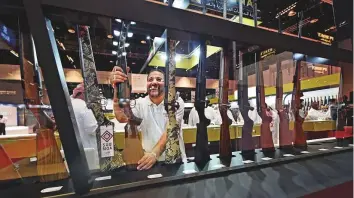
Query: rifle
x=49 y=159
x=201 y=149
x=285 y=136
x=108 y=160
x=225 y=143
x=133 y=150
x=341 y=112
x=266 y=135
x=247 y=145
x=173 y=152
x=300 y=139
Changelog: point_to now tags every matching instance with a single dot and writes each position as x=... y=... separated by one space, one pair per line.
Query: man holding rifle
x=152 y=111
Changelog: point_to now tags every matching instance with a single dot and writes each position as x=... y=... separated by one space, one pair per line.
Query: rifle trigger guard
x=175 y=105
x=123 y=102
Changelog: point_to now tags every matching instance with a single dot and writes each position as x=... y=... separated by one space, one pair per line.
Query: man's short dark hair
x=155 y=70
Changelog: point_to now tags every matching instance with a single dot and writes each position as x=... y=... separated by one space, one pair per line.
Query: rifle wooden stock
x=173 y=152
x=133 y=150
x=300 y=139
x=285 y=135
x=201 y=149
x=225 y=143
x=266 y=135
x=247 y=145
x=50 y=165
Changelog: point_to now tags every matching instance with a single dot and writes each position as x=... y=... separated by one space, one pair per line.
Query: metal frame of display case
x=150 y=13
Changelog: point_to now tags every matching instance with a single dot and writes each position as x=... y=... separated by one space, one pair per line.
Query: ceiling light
x=115 y=43
x=116 y=33
x=114 y=52
x=177 y=57
x=71 y=30
x=126 y=44
x=133 y=63
x=124 y=53
x=130 y=34
x=132 y=23
x=14 y=53
x=118 y=20
x=111 y=61
x=292 y=13
x=143 y=42
x=163 y=56
x=148 y=37
x=197 y=52
x=110 y=36
x=313 y=20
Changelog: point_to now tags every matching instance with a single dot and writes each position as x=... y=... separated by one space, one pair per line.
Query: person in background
x=274 y=125
x=193 y=118
x=314 y=113
x=3 y=121
x=151 y=109
x=332 y=109
x=86 y=121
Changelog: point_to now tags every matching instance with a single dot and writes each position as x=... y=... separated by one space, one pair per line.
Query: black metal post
x=48 y=57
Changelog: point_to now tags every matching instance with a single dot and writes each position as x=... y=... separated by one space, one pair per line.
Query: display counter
x=13 y=143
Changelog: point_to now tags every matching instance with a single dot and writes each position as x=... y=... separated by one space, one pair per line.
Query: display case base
x=162 y=174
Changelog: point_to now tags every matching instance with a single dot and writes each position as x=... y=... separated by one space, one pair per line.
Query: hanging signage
x=232 y=7
x=7 y=35
x=268 y=52
x=325 y=39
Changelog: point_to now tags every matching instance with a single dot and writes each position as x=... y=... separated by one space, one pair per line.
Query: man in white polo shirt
x=151 y=110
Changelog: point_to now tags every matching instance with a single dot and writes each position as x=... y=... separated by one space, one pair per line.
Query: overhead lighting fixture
x=313 y=20
x=197 y=52
x=110 y=36
x=130 y=34
x=143 y=42
x=133 y=63
x=291 y=13
x=14 y=53
x=124 y=53
x=177 y=57
x=116 y=32
x=133 y=23
x=115 y=43
x=114 y=52
x=126 y=44
x=111 y=61
x=286 y=10
x=148 y=37
x=71 y=30
x=163 y=56
x=119 y=21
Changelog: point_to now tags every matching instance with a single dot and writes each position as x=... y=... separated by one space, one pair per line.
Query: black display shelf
x=122 y=180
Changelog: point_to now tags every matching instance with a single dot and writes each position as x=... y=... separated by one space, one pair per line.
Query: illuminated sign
x=7 y=35
x=325 y=39
x=268 y=52
x=7 y=92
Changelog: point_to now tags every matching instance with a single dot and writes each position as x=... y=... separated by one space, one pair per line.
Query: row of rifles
x=323 y=102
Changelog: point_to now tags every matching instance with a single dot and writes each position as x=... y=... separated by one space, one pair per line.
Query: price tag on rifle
x=107 y=144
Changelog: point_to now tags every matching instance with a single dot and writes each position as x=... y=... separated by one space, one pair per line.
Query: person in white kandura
x=87 y=125
x=152 y=111
x=3 y=121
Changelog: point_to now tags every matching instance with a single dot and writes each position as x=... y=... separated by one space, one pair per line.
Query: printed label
x=107 y=144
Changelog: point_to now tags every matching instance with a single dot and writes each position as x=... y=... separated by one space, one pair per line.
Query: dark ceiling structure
x=279 y=15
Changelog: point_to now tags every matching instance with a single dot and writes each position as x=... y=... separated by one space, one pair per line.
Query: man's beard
x=155 y=91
